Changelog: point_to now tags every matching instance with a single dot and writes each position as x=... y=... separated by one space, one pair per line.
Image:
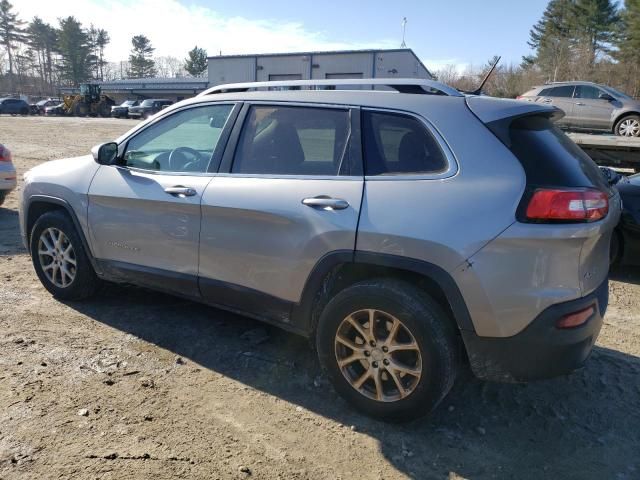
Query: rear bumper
x=541 y=350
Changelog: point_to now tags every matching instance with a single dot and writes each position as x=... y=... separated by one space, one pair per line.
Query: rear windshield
x=550 y=158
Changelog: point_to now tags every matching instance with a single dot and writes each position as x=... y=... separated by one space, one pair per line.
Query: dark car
x=122 y=110
x=14 y=106
x=148 y=107
x=38 y=108
x=625 y=241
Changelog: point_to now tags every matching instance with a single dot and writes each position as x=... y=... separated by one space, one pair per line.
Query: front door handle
x=326 y=202
x=580 y=103
x=180 y=191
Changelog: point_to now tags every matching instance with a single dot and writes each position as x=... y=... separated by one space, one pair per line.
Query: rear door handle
x=180 y=191
x=324 y=201
x=580 y=103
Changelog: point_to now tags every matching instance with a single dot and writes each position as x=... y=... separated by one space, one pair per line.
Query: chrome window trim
x=453 y=166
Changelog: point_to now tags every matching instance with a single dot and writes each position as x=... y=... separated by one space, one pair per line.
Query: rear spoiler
x=498 y=113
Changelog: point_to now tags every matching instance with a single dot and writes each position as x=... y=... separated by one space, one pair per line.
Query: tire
x=81 y=109
x=3 y=196
x=84 y=282
x=423 y=323
x=628 y=126
x=24 y=111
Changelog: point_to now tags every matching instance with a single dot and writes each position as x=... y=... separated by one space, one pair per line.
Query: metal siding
x=281 y=65
x=231 y=70
x=343 y=63
x=405 y=64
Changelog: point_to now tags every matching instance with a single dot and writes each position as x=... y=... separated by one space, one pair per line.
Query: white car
x=7 y=173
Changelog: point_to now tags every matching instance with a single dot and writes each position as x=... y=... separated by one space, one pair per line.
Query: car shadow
x=626 y=274
x=585 y=425
x=10 y=240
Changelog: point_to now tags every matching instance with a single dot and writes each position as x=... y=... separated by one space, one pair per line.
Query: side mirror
x=105 y=153
x=606 y=96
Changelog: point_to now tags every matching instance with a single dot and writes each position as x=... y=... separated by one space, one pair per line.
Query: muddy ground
x=136 y=384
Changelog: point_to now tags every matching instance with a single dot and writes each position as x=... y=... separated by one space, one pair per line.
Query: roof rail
x=401 y=85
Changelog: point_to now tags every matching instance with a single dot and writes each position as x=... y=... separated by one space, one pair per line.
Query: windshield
x=616 y=93
x=146 y=103
x=128 y=103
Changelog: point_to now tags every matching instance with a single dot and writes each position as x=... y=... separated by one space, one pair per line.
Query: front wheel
x=628 y=126
x=59 y=258
x=388 y=348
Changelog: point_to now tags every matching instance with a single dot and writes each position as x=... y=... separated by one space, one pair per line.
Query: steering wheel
x=179 y=160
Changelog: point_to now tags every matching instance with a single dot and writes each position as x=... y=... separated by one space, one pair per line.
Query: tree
x=594 y=24
x=42 y=40
x=11 y=32
x=75 y=52
x=552 y=38
x=140 y=60
x=102 y=40
x=196 y=63
x=169 y=67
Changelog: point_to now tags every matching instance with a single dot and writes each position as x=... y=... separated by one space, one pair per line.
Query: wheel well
x=623 y=115
x=346 y=274
x=36 y=210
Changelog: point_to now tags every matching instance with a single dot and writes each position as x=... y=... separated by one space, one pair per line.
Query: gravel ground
x=134 y=384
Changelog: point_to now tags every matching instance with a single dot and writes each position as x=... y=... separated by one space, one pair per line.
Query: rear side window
x=399 y=144
x=545 y=92
x=550 y=158
x=563 y=92
x=279 y=140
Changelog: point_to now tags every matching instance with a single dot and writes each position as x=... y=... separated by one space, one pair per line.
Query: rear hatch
x=564 y=187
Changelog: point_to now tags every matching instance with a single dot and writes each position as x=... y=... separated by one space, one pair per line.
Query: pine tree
x=11 y=32
x=629 y=40
x=594 y=24
x=141 y=63
x=102 y=40
x=552 y=38
x=196 y=63
x=75 y=52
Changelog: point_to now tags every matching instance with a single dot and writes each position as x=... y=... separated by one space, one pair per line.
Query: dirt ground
x=136 y=384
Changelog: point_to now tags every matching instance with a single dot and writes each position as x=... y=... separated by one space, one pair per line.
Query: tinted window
x=545 y=92
x=292 y=141
x=566 y=91
x=396 y=144
x=182 y=142
x=585 y=91
x=550 y=158
x=146 y=103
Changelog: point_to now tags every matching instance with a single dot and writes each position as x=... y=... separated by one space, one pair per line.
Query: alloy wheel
x=378 y=355
x=57 y=257
x=630 y=128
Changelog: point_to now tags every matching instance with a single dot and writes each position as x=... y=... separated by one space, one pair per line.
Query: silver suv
x=406 y=232
x=590 y=107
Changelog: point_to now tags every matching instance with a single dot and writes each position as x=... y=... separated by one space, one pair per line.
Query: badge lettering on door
x=123 y=246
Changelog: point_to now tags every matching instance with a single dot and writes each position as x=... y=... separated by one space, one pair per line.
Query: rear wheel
x=59 y=258
x=388 y=349
x=628 y=126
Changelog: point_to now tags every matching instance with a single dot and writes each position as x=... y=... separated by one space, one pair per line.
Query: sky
x=457 y=32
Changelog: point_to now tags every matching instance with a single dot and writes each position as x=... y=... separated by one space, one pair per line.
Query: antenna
x=404 y=31
x=478 y=91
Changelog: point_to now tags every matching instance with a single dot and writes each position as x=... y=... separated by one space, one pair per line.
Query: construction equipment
x=90 y=101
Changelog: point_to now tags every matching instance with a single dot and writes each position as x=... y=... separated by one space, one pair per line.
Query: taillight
x=5 y=154
x=569 y=205
x=519 y=97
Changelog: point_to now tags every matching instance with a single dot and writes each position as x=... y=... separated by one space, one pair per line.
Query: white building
x=396 y=63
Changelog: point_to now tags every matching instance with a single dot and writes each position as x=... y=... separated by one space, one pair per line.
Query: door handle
x=580 y=103
x=323 y=201
x=180 y=191
x=547 y=100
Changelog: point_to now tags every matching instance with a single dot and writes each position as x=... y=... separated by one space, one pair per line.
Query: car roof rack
x=401 y=85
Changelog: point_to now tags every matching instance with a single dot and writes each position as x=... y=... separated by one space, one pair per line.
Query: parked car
x=14 y=106
x=148 y=107
x=122 y=110
x=590 y=107
x=7 y=173
x=482 y=234
x=55 y=109
x=38 y=108
x=625 y=241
